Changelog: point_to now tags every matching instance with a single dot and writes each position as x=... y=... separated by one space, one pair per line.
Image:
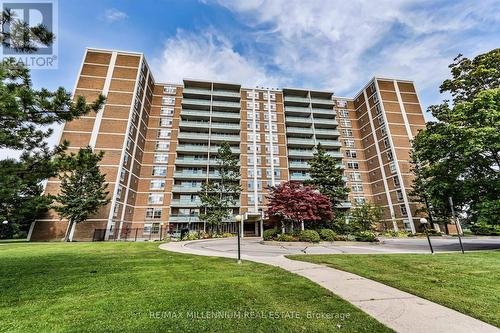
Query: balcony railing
x=193 y=136
x=297 y=109
x=226 y=104
x=197 y=91
x=185 y=203
x=226 y=93
x=299 y=130
x=335 y=154
x=223 y=138
x=228 y=115
x=299 y=165
x=300 y=153
x=299 y=177
x=190 y=175
x=296 y=99
x=298 y=120
x=196 y=113
x=192 y=148
x=321 y=132
x=184 y=218
x=193 y=101
x=329 y=143
x=186 y=189
x=324 y=112
x=322 y=101
x=300 y=142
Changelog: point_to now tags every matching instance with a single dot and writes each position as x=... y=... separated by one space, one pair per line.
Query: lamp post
x=238 y=218
x=425 y=222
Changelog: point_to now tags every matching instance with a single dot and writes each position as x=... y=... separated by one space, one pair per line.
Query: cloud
x=208 y=56
x=114 y=15
x=339 y=45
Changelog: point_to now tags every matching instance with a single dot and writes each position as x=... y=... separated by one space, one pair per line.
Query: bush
x=485 y=230
x=270 y=234
x=227 y=234
x=191 y=236
x=285 y=238
x=366 y=236
x=327 y=235
x=345 y=238
x=309 y=236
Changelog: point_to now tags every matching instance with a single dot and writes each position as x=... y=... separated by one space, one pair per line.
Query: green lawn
x=468 y=283
x=116 y=287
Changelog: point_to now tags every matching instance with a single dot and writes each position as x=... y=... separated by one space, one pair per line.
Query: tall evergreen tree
x=458 y=155
x=83 y=188
x=217 y=197
x=327 y=177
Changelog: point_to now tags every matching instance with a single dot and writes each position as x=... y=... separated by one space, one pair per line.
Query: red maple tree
x=296 y=203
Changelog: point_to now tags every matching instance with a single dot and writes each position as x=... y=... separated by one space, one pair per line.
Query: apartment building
x=160 y=142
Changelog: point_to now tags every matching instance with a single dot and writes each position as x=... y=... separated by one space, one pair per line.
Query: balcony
x=299 y=177
x=184 y=218
x=225 y=115
x=191 y=161
x=330 y=143
x=297 y=110
x=298 y=165
x=192 y=148
x=326 y=133
x=224 y=138
x=344 y=205
x=185 y=203
x=334 y=153
x=193 y=124
x=300 y=153
x=298 y=120
x=190 y=175
x=328 y=123
x=198 y=114
x=328 y=113
x=226 y=126
x=196 y=91
x=225 y=105
x=234 y=150
x=296 y=99
x=186 y=189
x=193 y=101
x=227 y=93
x=300 y=142
x=195 y=136
x=321 y=101
x=299 y=130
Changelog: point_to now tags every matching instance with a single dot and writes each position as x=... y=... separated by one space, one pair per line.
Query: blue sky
x=335 y=45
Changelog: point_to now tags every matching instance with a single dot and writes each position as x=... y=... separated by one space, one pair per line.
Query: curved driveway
x=401 y=311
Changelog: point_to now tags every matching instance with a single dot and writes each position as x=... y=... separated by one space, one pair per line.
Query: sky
x=328 y=45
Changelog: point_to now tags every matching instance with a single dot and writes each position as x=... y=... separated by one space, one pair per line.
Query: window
x=168 y=100
x=119 y=192
x=387 y=144
x=251 y=148
x=274 y=137
x=251 y=160
x=251 y=94
x=157 y=184
x=251 y=186
x=351 y=153
x=115 y=210
x=375 y=98
x=353 y=165
x=390 y=157
x=276 y=173
x=153 y=213
x=161 y=158
x=378 y=109
x=165 y=122
x=275 y=149
x=270 y=106
x=392 y=167
x=129 y=143
x=381 y=120
x=399 y=195
x=395 y=179
x=274 y=127
x=169 y=90
x=403 y=210
x=250 y=126
x=360 y=200
x=250 y=173
x=347 y=132
x=372 y=87
x=349 y=143
x=273 y=116
x=250 y=115
x=162 y=145
x=356 y=176
x=341 y=103
x=345 y=123
x=167 y=111
x=357 y=188
x=383 y=130
x=122 y=175
x=343 y=113
x=159 y=171
x=164 y=134
x=275 y=161
x=125 y=159
x=251 y=137
x=155 y=198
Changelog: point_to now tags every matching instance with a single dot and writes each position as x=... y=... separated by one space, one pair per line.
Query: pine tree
x=83 y=187
x=327 y=177
x=217 y=197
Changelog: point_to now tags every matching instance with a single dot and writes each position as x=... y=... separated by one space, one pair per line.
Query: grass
x=136 y=287
x=467 y=283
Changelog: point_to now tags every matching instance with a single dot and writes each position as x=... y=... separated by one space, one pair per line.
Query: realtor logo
x=25 y=27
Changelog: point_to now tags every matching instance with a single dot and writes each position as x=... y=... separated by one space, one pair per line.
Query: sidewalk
x=398 y=310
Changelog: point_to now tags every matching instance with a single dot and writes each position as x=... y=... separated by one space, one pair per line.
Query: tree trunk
x=68 y=231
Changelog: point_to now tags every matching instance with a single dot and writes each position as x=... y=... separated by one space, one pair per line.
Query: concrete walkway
x=396 y=309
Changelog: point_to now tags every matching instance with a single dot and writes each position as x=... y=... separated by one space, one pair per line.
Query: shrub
x=366 y=236
x=327 y=235
x=285 y=238
x=227 y=234
x=270 y=234
x=190 y=236
x=485 y=230
x=345 y=238
x=309 y=236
